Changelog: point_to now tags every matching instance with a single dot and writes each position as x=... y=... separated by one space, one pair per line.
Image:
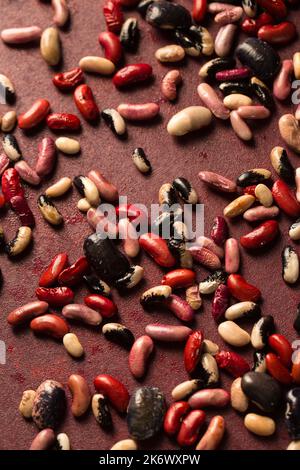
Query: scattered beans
x=72 y=345
x=189 y=119
x=101 y=411
x=26 y=404
x=49 y=405
x=81 y=395
x=22 y=35
x=214 y=434
x=118 y=334
x=51 y=46
x=59 y=188
x=43 y=440
x=260 y=425
x=114 y=390
x=170 y=83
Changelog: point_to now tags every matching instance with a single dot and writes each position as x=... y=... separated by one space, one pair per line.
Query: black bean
x=262 y=390
x=118 y=334
x=262 y=93
x=260 y=57
x=49 y=405
x=185 y=190
x=292 y=414
x=130 y=35
x=166 y=15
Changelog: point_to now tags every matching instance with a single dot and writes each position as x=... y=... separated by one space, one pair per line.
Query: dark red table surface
x=31 y=360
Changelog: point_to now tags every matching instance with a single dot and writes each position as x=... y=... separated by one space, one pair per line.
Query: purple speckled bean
x=208 y=243
x=21 y=35
x=220 y=302
x=205 y=257
x=61 y=12
x=139 y=354
x=224 y=40
x=46 y=157
x=169 y=84
x=253 y=112
x=229 y=16
x=43 y=440
x=4 y=162
x=218 y=182
x=168 y=333
x=138 y=112
x=282 y=85
x=219 y=230
x=260 y=213
x=240 y=127
x=27 y=173
x=210 y=397
x=98 y=220
x=232 y=256
x=210 y=99
x=297 y=113
x=179 y=307
x=233 y=74
x=83 y=313
x=217 y=7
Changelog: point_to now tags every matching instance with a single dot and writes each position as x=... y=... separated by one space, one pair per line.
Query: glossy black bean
x=262 y=93
x=49 y=405
x=130 y=35
x=118 y=334
x=185 y=190
x=292 y=414
x=241 y=87
x=166 y=15
x=252 y=177
x=260 y=57
x=262 y=390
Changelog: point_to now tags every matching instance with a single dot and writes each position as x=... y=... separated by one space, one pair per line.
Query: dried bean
x=224 y=39
x=210 y=347
x=282 y=85
x=8 y=122
x=50 y=325
x=277 y=370
x=50 y=275
x=279 y=34
x=26 y=404
x=259 y=425
x=261 y=236
x=43 y=440
x=293 y=413
x=168 y=333
x=49 y=405
x=139 y=355
x=118 y=334
x=179 y=307
x=259 y=361
x=260 y=213
x=240 y=127
x=61 y=12
x=131 y=279
x=294 y=445
x=46 y=157
x=238 y=206
x=296 y=63
x=232 y=363
x=229 y=16
x=72 y=345
x=285 y=199
x=218 y=182
x=210 y=284
x=67 y=145
x=250 y=8
x=262 y=93
x=192 y=351
x=232 y=334
x=141 y=161
x=59 y=188
x=189 y=119
x=97 y=65
x=290 y=265
x=174 y=417
x=111 y=45
x=62 y=442
x=51 y=46
x=101 y=411
x=49 y=211
x=241 y=289
x=261 y=332
x=207 y=370
x=186 y=388
x=193 y=298
x=11 y=147
x=27 y=312
x=212 y=67
x=236 y=87
x=55 y=296
x=82 y=313
x=132 y=74
x=170 y=53
x=27 y=173
x=294 y=232
x=209 y=97
x=35 y=114
x=232 y=255
x=165 y=15
x=101 y=304
x=114 y=390
x=260 y=57
x=170 y=83
x=69 y=80
x=239 y=400
x=290 y=131
x=213 y=397
x=63 y=122
x=242 y=310
x=138 y=112
x=21 y=241
x=4 y=162
x=21 y=35
x=190 y=427
x=234 y=101
x=125 y=444
x=81 y=395
x=205 y=257
x=262 y=390
x=214 y=434
x=7 y=90
x=113 y=16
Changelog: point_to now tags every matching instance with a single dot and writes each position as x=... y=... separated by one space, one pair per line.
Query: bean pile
x=250 y=91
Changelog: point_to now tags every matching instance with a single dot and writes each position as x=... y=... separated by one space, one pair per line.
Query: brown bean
x=81 y=395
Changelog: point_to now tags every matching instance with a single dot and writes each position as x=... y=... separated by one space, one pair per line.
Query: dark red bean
x=101 y=304
x=241 y=289
x=63 y=122
x=73 y=274
x=114 y=390
x=199 y=10
x=250 y=190
x=174 y=416
x=50 y=325
x=276 y=8
x=251 y=25
x=56 y=296
x=285 y=198
x=11 y=184
x=232 y=363
x=279 y=34
x=190 y=427
x=2 y=201
x=233 y=74
x=35 y=114
x=179 y=278
x=261 y=236
x=282 y=347
x=68 y=80
x=220 y=302
x=85 y=102
x=192 y=351
x=113 y=15
x=158 y=249
x=277 y=369
x=111 y=45
x=51 y=273
x=131 y=74
x=20 y=206
x=219 y=230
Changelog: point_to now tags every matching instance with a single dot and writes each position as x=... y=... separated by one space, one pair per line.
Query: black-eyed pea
x=26 y=403
x=59 y=188
x=73 y=345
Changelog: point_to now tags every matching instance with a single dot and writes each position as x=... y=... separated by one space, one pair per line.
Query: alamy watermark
x=296 y=92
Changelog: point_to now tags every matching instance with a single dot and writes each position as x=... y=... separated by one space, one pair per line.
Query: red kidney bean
x=180 y=308
x=232 y=256
x=219 y=230
x=73 y=274
x=199 y=10
x=282 y=85
x=218 y=182
x=157 y=248
x=212 y=101
x=232 y=363
x=63 y=122
x=214 y=434
x=168 y=333
x=229 y=16
x=261 y=236
x=11 y=184
x=69 y=80
x=50 y=325
x=27 y=312
x=208 y=243
x=81 y=395
x=190 y=427
x=285 y=198
x=250 y=190
x=279 y=34
x=132 y=74
x=107 y=190
x=170 y=83
x=20 y=206
x=46 y=157
x=113 y=15
x=139 y=355
x=56 y=296
x=192 y=351
x=277 y=369
x=103 y=305
x=61 y=12
x=253 y=112
x=174 y=416
x=276 y=8
x=51 y=273
x=35 y=114
x=4 y=162
x=44 y=440
x=114 y=390
x=234 y=74
x=205 y=257
x=85 y=102
x=111 y=45
x=21 y=35
x=138 y=112
x=27 y=173
x=251 y=25
x=210 y=397
x=241 y=289
x=282 y=347
x=220 y=302
x=179 y=278
x=82 y=313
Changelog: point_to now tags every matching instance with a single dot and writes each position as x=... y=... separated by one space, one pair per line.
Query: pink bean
x=4 y=162
x=240 y=127
x=44 y=440
x=233 y=74
x=224 y=39
x=83 y=313
x=297 y=113
x=210 y=98
x=27 y=173
x=218 y=182
x=214 y=397
x=214 y=434
x=100 y=222
x=282 y=85
x=229 y=16
x=253 y=112
x=179 y=307
x=217 y=7
x=139 y=354
x=107 y=190
x=21 y=35
x=128 y=234
x=61 y=12
x=205 y=257
x=260 y=213
x=168 y=333
x=208 y=243
x=232 y=256
x=297 y=181
x=169 y=84
x=138 y=112
x=46 y=157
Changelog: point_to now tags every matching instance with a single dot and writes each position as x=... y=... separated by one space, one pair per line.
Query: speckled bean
x=210 y=98
x=210 y=397
x=193 y=297
x=228 y=16
x=27 y=173
x=83 y=313
x=218 y=182
x=239 y=205
x=170 y=53
x=46 y=157
x=261 y=213
x=170 y=83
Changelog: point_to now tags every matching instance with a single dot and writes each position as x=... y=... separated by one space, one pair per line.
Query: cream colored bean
x=63 y=441
x=239 y=401
x=233 y=334
x=296 y=63
x=236 y=100
x=126 y=444
x=26 y=403
x=294 y=445
x=83 y=205
x=94 y=64
x=49 y=211
x=67 y=145
x=170 y=53
x=239 y=205
x=51 y=46
x=210 y=347
x=264 y=195
x=9 y=120
x=21 y=241
x=289 y=129
x=72 y=345
x=185 y=389
x=189 y=119
x=59 y=188
x=259 y=425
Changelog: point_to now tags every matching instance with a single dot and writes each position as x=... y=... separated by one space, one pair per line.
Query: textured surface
x=30 y=360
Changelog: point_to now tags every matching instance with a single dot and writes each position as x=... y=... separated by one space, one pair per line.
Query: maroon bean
x=232 y=256
x=224 y=39
x=190 y=427
x=4 y=162
x=233 y=74
x=211 y=397
x=139 y=354
x=205 y=257
x=27 y=312
x=228 y=16
x=218 y=182
x=170 y=83
x=208 y=243
x=46 y=157
x=219 y=230
x=220 y=302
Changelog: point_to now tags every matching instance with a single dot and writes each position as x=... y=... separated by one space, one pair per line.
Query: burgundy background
x=31 y=360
